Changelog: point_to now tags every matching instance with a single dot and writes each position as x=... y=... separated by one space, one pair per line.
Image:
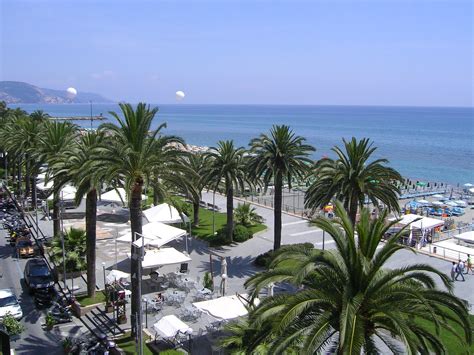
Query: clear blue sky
x=375 y=52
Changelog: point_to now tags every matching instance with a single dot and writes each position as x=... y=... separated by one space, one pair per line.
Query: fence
x=292 y=201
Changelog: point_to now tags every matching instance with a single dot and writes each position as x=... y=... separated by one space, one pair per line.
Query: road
x=34 y=340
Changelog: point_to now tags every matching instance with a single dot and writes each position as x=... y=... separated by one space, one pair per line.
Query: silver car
x=9 y=304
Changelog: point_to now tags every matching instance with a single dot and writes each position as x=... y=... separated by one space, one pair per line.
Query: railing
x=445 y=253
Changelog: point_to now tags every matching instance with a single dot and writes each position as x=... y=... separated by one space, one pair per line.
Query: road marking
x=325 y=242
x=307 y=232
x=292 y=223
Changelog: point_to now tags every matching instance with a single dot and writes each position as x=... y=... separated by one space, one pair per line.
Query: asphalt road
x=34 y=340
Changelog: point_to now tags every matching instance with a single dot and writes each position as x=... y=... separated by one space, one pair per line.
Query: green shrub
x=241 y=234
x=75 y=246
x=264 y=260
x=207 y=281
x=12 y=326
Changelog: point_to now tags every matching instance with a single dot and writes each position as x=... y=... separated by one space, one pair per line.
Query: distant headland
x=16 y=92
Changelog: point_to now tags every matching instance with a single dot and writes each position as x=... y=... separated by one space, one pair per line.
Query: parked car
x=37 y=274
x=9 y=304
x=24 y=247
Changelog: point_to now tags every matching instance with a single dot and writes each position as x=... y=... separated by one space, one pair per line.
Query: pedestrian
x=453 y=271
x=469 y=265
x=460 y=270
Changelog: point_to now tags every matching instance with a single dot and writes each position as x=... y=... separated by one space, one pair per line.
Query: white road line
x=307 y=232
x=325 y=242
x=292 y=223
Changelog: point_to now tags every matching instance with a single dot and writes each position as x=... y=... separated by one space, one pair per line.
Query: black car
x=37 y=275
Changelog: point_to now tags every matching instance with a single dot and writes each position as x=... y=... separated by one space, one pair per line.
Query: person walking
x=453 y=271
x=460 y=270
x=469 y=265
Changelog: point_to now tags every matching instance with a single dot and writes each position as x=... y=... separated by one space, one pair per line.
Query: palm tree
x=275 y=157
x=351 y=177
x=226 y=165
x=55 y=139
x=131 y=159
x=82 y=165
x=349 y=302
x=246 y=215
x=39 y=115
x=197 y=165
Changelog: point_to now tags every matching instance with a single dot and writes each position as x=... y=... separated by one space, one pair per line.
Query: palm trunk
x=196 y=214
x=136 y=226
x=230 y=213
x=91 y=221
x=19 y=178
x=34 y=195
x=353 y=204
x=27 y=178
x=277 y=212
x=56 y=221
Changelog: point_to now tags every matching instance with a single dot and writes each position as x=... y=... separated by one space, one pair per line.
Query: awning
x=227 y=307
x=423 y=222
x=170 y=326
x=156 y=234
x=164 y=256
x=467 y=237
x=164 y=213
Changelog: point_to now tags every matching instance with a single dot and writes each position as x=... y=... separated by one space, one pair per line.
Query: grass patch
x=88 y=301
x=452 y=344
x=128 y=345
x=204 y=231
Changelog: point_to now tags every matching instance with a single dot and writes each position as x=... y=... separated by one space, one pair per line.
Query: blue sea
x=428 y=143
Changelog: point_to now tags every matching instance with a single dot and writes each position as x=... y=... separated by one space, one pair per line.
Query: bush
x=12 y=326
x=264 y=260
x=75 y=246
x=207 y=281
x=241 y=234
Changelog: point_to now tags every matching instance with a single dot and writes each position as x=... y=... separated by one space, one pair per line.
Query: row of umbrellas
x=456 y=203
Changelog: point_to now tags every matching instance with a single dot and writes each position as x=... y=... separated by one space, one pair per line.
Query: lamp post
x=62 y=239
x=214 y=212
x=103 y=270
x=146 y=311
x=324 y=234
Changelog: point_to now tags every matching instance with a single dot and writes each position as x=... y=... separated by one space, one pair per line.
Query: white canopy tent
x=423 y=223
x=68 y=192
x=164 y=213
x=227 y=307
x=156 y=234
x=170 y=326
x=116 y=275
x=164 y=256
x=42 y=186
x=118 y=195
x=467 y=237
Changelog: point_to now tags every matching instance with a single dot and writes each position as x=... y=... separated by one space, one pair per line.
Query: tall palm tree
x=55 y=139
x=198 y=166
x=350 y=302
x=131 y=159
x=226 y=166
x=82 y=165
x=275 y=157
x=351 y=178
x=39 y=115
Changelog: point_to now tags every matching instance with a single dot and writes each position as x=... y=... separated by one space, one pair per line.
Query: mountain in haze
x=16 y=92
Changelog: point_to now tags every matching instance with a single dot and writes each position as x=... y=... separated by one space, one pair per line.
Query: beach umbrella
x=461 y=203
x=438 y=196
x=452 y=204
x=437 y=203
x=423 y=202
x=270 y=288
x=116 y=275
x=421 y=183
x=468 y=185
x=471 y=190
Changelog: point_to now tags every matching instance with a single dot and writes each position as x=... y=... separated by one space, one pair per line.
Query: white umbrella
x=437 y=203
x=461 y=203
x=423 y=201
x=270 y=288
x=115 y=275
x=451 y=203
x=471 y=190
x=468 y=185
x=438 y=196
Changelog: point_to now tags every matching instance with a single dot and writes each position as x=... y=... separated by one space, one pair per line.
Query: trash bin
x=434 y=250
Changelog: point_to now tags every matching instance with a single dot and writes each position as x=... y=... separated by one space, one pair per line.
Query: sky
x=378 y=52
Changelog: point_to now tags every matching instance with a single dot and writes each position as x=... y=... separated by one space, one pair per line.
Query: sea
x=427 y=143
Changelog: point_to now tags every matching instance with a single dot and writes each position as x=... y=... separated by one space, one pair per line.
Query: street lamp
x=214 y=212
x=103 y=270
x=140 y=310
x=146 y=311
